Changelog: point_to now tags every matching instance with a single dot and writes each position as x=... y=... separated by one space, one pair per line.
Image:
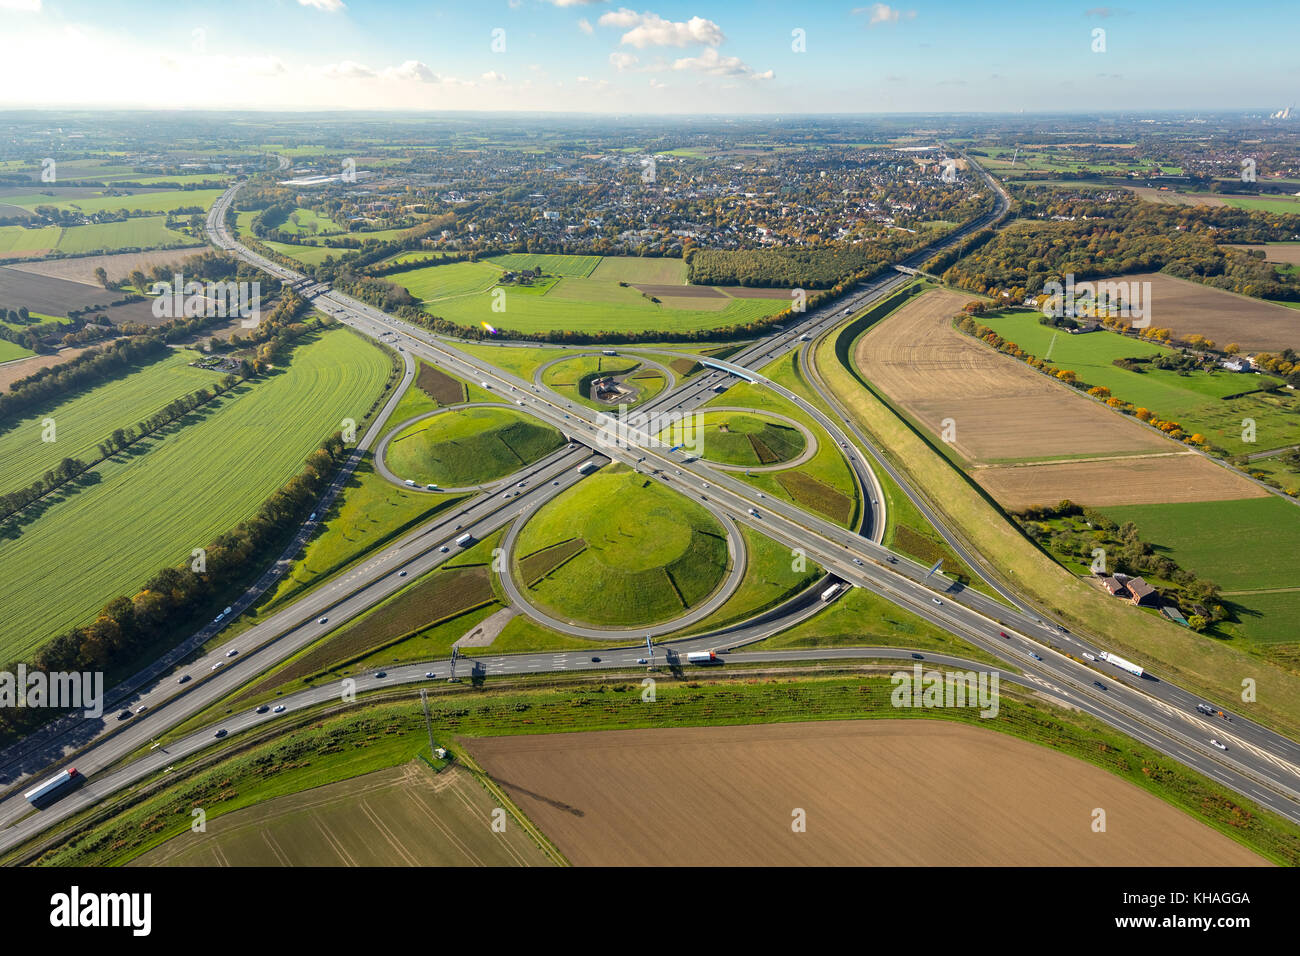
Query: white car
x=936 y=600
x=429 y=674
x=279 y=708
x=1217 y=743
x=443 y=549
x=217 y=664
x=232 y=652
x=322 y=620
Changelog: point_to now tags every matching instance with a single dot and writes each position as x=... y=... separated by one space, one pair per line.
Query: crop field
x=86 y=420
x=1031 y=440
x=162 y=201
x=311 y=255
x=470 y=446
x=1196 y=400
x=118 y=266
x=308 y=222
x=20 y=241
x=46 y=295
x=1286 y=252
x=177 y=491
x=639 y=269
x=736 y=438
x=607 y=795
x=404 y=816
x=552 y=265
x=1185 y=307
x=651 y=554
x=462 y=292
x=141 y=233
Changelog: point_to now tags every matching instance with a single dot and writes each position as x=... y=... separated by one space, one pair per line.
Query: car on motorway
x=263 y=709
x=1214 y=741
x=220 y=733
x=595 y=660
x=1004 y=635
x=1205 y=709
x=1034 y=656
x=232 y=652
x=183 y=679
x=892 y=560
x=555 y=483
x=1099 y=685
x=381 y=674
x=443 y=550
x=1088 y=656
x=429 y=674
x=322 y=620
x=857 y=561
x=918 y=657
x=124 y=715
x=401 y=574
x=936 y=601
x=279 y=708
x=217 y=665
x=641 y=660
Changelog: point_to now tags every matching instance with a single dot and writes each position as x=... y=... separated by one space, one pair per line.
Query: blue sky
x=664 y=57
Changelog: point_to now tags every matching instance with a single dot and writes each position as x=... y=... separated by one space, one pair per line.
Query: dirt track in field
x=1001 y=410
x=117 y=265
x=1288 y=252
x=875 y=793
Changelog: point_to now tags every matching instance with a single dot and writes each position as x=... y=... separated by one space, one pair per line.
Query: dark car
x=1004 y=634
x=595 y=660
x=184 y=678
x=263 y=709
x=220 y=733
x=1098 y=684
x=381 y=673
x=918 y=657
x=124 y=715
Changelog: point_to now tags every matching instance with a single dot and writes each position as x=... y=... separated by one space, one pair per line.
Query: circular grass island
x=620 y=551
x=469 y=446
x=633 y=381
x=742 y=439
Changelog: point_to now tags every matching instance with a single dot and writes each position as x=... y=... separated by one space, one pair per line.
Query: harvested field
x=118 y=265
x=1004 y=412
x=403 y=816
x=534 y=567
x=1186 y=307
x=1288 y=252
x=1171 y=198
x=751 y=292
x=50 y=296
x=1129 y=480
x=876 y=793
x=440 y=386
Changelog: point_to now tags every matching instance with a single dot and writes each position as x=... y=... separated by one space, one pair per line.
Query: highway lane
x=1269 y=753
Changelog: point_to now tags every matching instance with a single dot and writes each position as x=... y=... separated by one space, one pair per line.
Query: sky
x=710 y=56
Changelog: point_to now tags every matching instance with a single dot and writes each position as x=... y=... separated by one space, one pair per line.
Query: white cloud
x=650 y=29
x=21 y=6
x=329 y=6
x=714 y=64
x=657 y=84
x=492 y=76
x=883 y=13
x=411 y=70
x=574 y=3
x=348 y=70
x=623 y=61
x=585 y=26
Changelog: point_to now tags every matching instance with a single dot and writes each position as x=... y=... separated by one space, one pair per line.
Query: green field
x=734 y=438
x=462 y=292
x=310 y=255
x=176 y=492
x=470 y=446
x=650 y=554
x=1194 y=400
x=309 y=223
x=141 y=233
x=9 y=351
x=638 y=269
x=572 y=378
x=552 y=265
x=86 y=420
x=17 y=241
x=161 y=202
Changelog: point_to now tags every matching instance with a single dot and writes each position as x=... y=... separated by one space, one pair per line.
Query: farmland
x=160 y=202
x=141 y=233
x=1001 y=799
x=469 y=446
x=427 y=820
x=461 y=292
x=21 y=241
x=736 y=438
x=1198 y=400
x=150 y=503
x=647 y=554
x=117 y=266
x=1029 y=440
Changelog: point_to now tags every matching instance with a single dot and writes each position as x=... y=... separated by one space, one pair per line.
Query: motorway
x=1259 y=763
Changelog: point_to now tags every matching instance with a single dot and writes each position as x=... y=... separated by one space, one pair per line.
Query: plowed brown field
x=1003 y=411
x=876 y=793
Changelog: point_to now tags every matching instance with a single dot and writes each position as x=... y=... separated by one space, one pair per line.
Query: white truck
x=1121 y=663
x=464 y=539
x=39 y=793
x=831 y=591
x=587 y=468
x=701 y=657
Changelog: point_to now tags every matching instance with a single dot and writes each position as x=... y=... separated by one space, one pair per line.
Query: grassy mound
x=470 y=446
x=738 y=438
x=648 y=554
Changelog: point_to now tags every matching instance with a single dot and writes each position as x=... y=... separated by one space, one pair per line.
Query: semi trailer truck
x=701 y=657
x=1121 y=663
x=49 y=787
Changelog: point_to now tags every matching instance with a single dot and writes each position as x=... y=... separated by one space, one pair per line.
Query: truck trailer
x=831 y=591
x=464 y=539
x=50 y=786
x=1121 y=663
x=701 y=657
